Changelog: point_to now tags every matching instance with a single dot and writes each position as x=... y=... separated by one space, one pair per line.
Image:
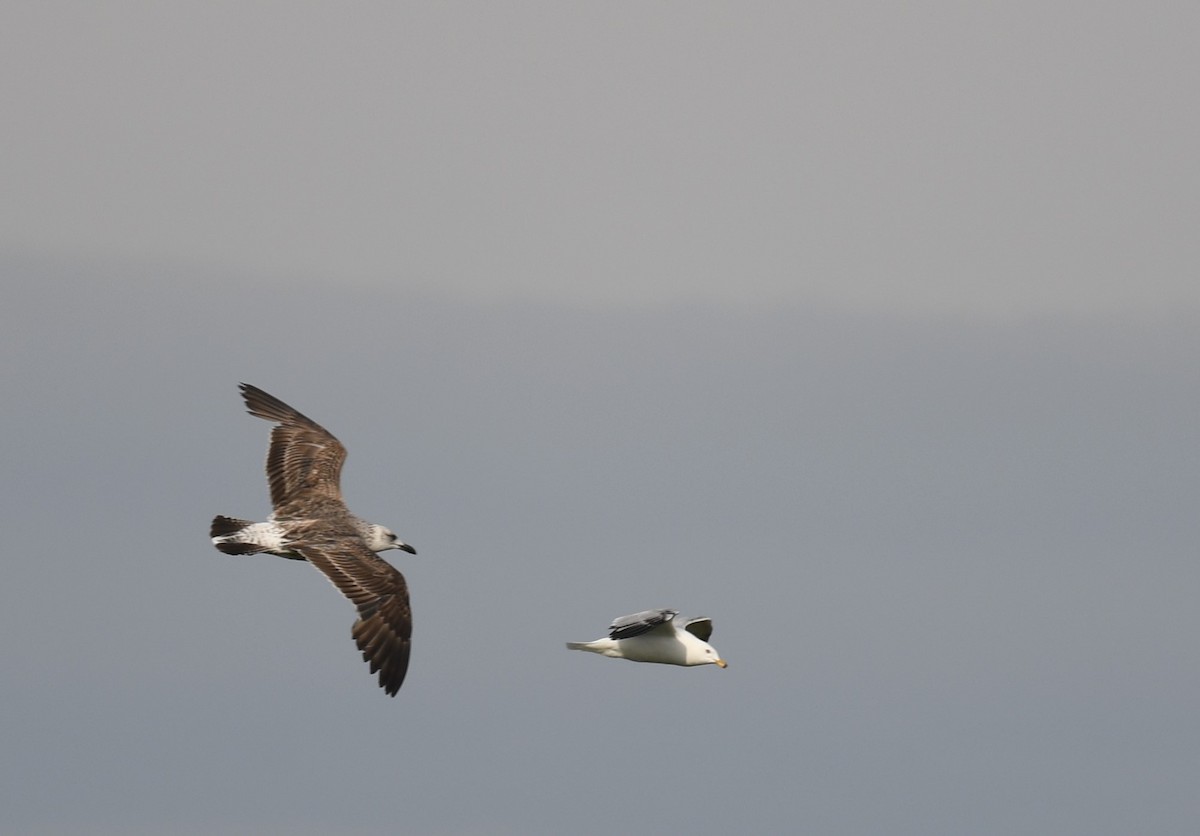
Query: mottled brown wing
x=383 y=631
x=304 y=457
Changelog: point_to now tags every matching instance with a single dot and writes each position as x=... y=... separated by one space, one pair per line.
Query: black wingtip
x=262 y=404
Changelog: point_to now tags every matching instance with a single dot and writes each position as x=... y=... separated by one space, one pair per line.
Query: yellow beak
x=722 y=663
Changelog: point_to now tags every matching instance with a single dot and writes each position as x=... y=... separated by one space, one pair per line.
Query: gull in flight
x=655 y=636
x=311 y=522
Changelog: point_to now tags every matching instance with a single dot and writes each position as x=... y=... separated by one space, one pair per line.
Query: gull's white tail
x=605 y=647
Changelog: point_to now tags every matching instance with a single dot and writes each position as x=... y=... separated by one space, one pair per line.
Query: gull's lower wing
x=383 y=631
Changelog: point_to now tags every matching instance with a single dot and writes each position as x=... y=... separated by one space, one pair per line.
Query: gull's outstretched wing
x=304 y=457
x=383 y=631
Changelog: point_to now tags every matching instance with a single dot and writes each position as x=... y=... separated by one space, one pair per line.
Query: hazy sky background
x=870 y=330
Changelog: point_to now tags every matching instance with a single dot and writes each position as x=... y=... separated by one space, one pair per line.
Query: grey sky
x=990 y=157
x=870 y=332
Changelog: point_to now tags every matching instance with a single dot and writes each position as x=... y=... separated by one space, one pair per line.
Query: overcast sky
x=870 y=330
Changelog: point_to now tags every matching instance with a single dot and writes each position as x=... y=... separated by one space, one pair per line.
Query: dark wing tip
x=252 y=394
x=384 y=637
x=700 y=627
x=262 y=404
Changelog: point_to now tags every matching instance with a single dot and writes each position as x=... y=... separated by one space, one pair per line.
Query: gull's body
x=311 y=522
x=234 y=536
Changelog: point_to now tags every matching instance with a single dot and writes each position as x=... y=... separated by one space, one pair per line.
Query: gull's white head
x=700 y=652
x=380 y=539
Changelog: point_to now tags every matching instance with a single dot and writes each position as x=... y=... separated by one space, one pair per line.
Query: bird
x=310 y=521
x=655 y=636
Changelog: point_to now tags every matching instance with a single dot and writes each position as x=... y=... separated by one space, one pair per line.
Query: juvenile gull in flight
x=311 y=522
x=653 y=636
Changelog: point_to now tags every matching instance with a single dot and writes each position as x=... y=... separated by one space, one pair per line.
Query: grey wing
x=628 y=626
x=304 y=457
x=383 y=631
x=701 y=628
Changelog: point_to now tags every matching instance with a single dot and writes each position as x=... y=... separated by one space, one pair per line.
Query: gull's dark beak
x=406 y=547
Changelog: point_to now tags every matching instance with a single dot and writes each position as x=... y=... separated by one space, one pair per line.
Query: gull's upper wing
x=303 y=457
x=628 y=626
x=383 y=631
x=701 y=628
